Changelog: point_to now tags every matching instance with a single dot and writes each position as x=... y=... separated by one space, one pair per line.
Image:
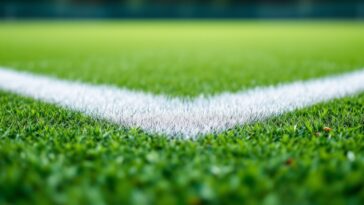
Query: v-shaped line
x=178 y=117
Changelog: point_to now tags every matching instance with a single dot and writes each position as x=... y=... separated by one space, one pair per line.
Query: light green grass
x=51 y=155
x=183 y=58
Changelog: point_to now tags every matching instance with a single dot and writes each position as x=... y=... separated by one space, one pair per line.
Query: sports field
x=52 y=155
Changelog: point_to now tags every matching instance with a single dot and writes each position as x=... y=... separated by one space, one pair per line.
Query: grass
x=183 y=58
x=49 y=155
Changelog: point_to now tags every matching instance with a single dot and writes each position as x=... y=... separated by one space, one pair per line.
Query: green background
x=50 y=155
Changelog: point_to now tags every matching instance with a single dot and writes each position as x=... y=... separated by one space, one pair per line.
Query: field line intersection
x=176 y=117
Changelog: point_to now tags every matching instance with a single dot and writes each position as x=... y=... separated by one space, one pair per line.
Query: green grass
x=50 y=155
x=183 y=58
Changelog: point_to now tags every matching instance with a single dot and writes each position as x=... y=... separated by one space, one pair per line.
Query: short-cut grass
x=50 y=155
x=183 y=58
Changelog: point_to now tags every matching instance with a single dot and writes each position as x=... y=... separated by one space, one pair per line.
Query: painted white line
x=177 y=117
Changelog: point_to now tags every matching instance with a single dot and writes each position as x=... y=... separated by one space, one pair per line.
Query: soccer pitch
x=314 y=155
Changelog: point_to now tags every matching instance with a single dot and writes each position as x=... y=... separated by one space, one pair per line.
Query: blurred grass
x=183 y=58
x=50 y=155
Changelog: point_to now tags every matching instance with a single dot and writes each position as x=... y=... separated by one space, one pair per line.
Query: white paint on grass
x=177 y=117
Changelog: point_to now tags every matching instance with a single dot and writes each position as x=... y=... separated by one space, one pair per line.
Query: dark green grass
x=51 y=155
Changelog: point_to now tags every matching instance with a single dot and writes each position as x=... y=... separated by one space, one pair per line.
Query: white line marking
x=177 y=117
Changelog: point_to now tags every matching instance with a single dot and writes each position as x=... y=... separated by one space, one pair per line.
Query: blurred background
x=20 y=9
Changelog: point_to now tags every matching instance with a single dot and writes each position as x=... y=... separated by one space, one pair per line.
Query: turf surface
x=183 y=58
x=51 y=155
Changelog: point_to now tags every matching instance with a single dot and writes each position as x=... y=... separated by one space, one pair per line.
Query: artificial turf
x=183 y=58
x=50 y=155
